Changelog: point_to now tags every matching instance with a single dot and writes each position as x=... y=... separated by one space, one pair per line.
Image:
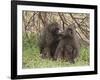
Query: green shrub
x=31 y=55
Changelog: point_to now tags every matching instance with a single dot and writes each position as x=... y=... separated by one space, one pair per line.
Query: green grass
x=31 y=57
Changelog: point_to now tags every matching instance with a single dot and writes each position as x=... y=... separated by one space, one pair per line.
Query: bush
x=31 y=55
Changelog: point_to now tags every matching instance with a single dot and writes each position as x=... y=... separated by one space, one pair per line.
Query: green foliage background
x=31 y=55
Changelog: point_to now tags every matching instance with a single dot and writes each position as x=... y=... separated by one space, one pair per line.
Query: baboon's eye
x=70 y=31
x=57 y=29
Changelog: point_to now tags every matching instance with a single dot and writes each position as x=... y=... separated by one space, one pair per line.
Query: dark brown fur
x=49 y=40
x=68 y=47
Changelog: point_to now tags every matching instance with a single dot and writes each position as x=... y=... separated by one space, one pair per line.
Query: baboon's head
x=70 y=31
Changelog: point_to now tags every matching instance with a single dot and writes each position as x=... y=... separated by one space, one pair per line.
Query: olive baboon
x=49 y=40
x=68 y=47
